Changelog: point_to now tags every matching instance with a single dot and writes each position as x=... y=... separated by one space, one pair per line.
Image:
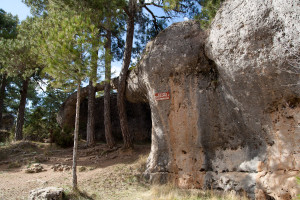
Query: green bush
x=64 y=137
x=209 y=9
x=4 y=136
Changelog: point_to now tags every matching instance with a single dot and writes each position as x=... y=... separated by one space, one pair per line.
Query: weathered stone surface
x=49 y=193
x=67 y=111
x=255 y=44
x=175 y=62
x=139 y=118
x=232 y=121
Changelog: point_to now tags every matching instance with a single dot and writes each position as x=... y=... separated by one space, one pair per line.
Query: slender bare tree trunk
x=21 y=110
x=90 y=133
x=2 y=96
x=90 y=130
x=127 y=137
x=76 y=138
x=107 y=119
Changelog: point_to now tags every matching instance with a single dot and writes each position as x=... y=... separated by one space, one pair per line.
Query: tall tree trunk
x=2 y=96
x=107 y=119
x=90 y=130
x=90 y=133
x=76 y=139
x=127 y=137
x=21 y=111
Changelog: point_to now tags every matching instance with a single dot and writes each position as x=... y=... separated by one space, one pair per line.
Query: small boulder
x=82 y=169
x=49 y=193
x=36 y=168
x=60 y=168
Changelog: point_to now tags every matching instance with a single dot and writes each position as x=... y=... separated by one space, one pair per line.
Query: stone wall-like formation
x=138 y=116
x=232 y=120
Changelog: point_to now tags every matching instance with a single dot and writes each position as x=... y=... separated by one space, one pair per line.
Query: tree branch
x=160 y=6
x=153 y=4
x=154 y=19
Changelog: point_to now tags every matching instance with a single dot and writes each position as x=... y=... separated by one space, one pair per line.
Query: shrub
x=63 y=138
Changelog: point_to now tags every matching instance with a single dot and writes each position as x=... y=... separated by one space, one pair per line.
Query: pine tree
x=209 y=9
x=8 y=30
x=19 y=58
x=68 y=46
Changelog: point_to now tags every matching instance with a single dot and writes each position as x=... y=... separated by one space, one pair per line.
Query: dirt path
x=102 y=173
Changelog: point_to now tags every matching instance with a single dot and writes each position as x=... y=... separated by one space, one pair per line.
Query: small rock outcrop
x=35 y=168
x=60 y=168
x=49 y=193
x=231 y=110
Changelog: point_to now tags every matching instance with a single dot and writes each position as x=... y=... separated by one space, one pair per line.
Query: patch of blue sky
x=15 y=7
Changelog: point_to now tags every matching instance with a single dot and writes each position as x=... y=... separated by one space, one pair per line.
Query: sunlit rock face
x=231 y=120
x=256 y=46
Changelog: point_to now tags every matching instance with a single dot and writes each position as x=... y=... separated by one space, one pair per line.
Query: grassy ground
x=102 y=174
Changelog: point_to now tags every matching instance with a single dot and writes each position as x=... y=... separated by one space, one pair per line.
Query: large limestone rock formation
x=232 y=120
x=139 y=117
x=255 y=44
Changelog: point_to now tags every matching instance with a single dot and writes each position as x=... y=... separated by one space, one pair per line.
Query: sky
x=16 y=7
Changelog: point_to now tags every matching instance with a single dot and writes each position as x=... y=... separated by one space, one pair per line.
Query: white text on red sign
x=162 y=96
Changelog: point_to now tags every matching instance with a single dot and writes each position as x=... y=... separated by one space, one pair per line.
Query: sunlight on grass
x=141 y=163
x=171 y=192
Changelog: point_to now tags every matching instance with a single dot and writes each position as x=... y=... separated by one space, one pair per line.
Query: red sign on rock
x=162 y=96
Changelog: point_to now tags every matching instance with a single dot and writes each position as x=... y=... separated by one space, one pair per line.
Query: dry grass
x=140 y=164
x=116 y=175
x=170 y=192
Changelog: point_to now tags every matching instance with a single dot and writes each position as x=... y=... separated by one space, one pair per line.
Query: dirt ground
x=102 y=173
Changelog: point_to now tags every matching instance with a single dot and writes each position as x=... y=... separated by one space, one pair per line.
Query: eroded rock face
x=232 y=120
x=138 y=114
x=255 y=44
